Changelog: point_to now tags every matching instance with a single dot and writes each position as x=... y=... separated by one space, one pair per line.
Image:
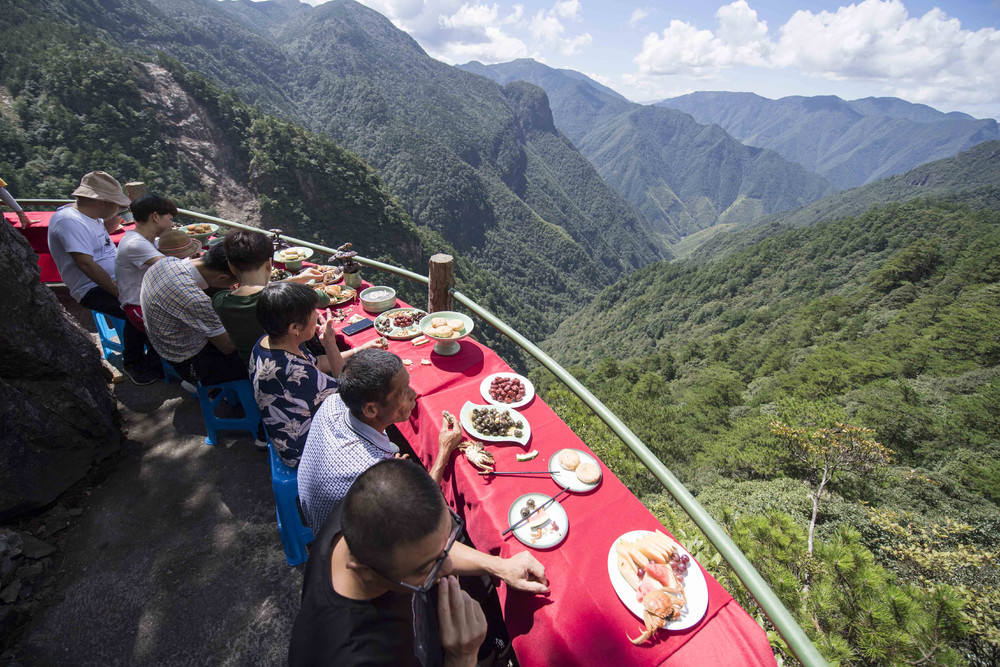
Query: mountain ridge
x=689 y=176
x=851 y=143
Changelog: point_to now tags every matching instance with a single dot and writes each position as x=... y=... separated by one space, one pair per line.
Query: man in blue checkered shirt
x=347 y=435
x=180 y=320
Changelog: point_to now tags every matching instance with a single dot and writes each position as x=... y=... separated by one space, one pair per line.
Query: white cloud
x=496 y=48
x=516 y=14
x=460 y=30
x=684 y=49
x=471 y=16
x=568 y=9
x=638 y=14
x=925 y=59
x=547 y=29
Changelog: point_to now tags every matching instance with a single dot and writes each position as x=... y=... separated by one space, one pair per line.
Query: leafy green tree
x=829 y=451
x=914 y=263
x=857 y=611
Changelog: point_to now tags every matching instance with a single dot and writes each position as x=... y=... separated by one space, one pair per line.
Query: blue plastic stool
x=170 y=373
x=294 y=534
x=238 y=390
x=107 y=329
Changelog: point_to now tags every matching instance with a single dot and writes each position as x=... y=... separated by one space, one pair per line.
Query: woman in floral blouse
x=289 y=382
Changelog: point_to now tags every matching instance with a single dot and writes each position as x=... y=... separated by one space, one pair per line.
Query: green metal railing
x=798 y=642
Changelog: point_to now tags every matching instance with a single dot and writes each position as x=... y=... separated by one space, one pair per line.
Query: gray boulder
x=57 y=414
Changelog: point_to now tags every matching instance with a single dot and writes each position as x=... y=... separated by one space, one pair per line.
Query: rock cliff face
x=57 y=415
x=188 y=128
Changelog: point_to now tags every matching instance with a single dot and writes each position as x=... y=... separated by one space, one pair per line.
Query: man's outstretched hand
x=524 y=573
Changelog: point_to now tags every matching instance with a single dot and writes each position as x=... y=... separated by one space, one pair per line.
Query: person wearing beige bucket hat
x=80 y=243
x=176 y=243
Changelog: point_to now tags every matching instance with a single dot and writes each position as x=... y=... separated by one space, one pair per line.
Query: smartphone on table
x=361 y=325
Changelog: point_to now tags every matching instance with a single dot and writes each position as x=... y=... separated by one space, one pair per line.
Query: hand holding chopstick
x=548 y=502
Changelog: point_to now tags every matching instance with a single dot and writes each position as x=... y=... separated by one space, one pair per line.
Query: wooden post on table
x=442 y=278
x=135 y=189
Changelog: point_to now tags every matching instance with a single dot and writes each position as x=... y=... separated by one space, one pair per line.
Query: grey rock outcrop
x=57 y=413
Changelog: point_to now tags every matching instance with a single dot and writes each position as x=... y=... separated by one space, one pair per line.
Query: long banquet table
x=581 y=621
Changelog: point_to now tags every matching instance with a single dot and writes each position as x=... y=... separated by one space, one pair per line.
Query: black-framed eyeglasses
x=457 y=524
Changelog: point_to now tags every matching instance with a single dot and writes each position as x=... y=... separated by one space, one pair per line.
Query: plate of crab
x=658 y=581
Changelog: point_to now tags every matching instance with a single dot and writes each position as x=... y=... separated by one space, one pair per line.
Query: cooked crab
x=478 y=455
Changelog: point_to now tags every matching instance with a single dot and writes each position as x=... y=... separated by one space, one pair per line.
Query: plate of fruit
x=494 y=423
x=510 y=389
x=400 y=323
x=658 y=581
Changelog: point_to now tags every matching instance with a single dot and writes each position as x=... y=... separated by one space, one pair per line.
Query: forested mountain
x=178 y=133
x=468 y=160
x=849 y=142
x=747 y=374
x=683 y=176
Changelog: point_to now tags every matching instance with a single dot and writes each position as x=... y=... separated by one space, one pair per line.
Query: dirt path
x=175 y=558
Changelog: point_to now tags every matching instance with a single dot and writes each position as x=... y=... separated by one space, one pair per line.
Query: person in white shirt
x=79 y=239
x=137 y=251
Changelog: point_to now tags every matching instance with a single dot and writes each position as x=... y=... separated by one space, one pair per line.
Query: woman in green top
x=249 y=255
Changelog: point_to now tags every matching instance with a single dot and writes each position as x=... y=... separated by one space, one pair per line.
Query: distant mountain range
x=851 y=143
x=682 y=175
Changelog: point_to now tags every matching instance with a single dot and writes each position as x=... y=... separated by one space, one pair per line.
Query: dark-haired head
x=215 y=269
x=147 y=205
x=393 y=504
x=215 y=259
x=280 y=305
x=367 y=378
x=247 y=250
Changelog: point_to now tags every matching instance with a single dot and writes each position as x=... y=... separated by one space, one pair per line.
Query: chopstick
x=516 y=472
x=537 y=509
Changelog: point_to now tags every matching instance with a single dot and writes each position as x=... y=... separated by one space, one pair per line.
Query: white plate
x=568 y=478
x=695 y=588
x=553 y=532
x=394 y=332
x=465 y=417
x=337 y=271
x=306 y=254
x=529 y=390
x=446 y=346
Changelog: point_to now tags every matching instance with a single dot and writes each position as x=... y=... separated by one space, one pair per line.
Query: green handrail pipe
x=795 y=637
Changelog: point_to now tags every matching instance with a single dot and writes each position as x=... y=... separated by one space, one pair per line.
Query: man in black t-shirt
x=367 y=598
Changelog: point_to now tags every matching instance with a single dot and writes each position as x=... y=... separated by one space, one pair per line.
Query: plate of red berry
x=507 y=389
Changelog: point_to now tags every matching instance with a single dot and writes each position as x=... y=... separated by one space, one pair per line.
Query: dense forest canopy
x=886 y=321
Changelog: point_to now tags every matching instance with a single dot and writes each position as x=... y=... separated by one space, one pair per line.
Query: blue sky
x=945 y=54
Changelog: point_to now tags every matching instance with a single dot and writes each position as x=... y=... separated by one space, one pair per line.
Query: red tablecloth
x=582 y=621
x=37 y=235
